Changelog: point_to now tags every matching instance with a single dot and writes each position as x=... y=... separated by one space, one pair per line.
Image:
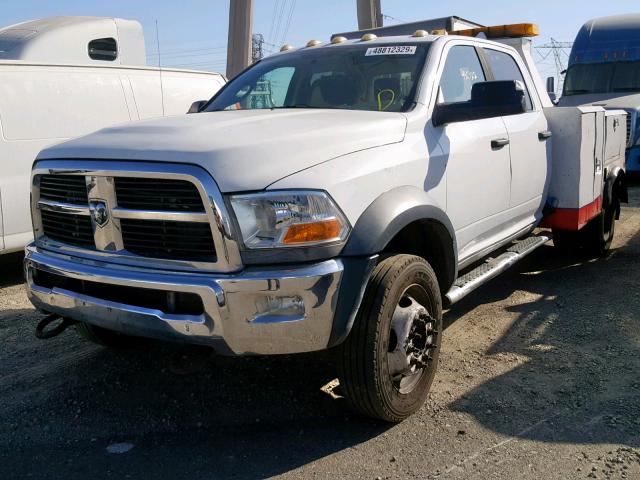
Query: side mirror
x=197 y=106
x=488 y=99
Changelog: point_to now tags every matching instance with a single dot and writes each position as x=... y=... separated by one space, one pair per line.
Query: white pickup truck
x=331 y=196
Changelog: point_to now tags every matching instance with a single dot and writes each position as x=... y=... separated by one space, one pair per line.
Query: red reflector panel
x=572 y=218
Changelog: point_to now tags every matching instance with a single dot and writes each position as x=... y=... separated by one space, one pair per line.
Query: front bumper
x=256 y=311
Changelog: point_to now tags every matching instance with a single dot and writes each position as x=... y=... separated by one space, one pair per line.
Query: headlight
x=289 y=219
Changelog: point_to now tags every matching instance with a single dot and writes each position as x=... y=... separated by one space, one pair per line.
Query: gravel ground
x=538 y=378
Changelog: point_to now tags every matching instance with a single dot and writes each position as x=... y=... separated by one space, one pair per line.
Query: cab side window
x=504 y=67
x=462 y=70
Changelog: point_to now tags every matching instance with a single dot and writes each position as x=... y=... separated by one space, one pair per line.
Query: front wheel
x=388 y=361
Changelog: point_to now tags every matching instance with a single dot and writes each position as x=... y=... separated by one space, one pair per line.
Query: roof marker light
x=367 y=37
x=286 y=47
x=313 y=43
x=516 y=30
x=338 y=39
x=439 y=31
x=420 y=33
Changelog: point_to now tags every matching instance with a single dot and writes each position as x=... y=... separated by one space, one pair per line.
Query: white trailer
x=63 y=77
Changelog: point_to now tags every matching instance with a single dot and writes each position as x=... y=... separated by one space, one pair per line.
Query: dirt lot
x=539 y=378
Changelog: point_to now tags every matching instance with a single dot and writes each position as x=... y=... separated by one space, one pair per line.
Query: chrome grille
x=64 y=188
x=145 y=214
x=68 y=228
x=158 y=194
x=166 y=239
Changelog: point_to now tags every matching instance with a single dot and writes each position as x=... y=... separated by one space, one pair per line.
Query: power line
x=286 y=30
x=389 y=17
x=189 y=55
x=185 y=51
x=273 y=19
x=280 y=15
x=560 y=57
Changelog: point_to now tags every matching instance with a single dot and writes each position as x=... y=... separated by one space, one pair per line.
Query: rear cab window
x=504 y=67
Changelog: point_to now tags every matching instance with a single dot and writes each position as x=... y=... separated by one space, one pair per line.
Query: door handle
x=499 y=143
x=544 y=135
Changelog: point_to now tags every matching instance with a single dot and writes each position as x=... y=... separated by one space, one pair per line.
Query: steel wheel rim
x=412 y=339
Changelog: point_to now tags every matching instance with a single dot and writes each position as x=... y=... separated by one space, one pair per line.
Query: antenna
x=160 y=66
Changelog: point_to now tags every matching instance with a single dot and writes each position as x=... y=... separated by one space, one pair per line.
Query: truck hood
x=242 y=150
x=606 y=100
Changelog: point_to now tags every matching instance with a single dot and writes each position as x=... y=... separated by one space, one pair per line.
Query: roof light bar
x=515 y=30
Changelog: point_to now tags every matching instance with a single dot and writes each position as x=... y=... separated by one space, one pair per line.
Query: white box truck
x=383 y=178
x=63 y=77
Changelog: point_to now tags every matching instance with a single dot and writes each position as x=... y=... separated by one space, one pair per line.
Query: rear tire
x=595 y=238
x=567 y=242
x=103 y=336
x=598 y=234
x=388 y=361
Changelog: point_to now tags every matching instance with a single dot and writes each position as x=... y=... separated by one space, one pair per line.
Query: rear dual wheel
x=595 y=238
x=388 y=362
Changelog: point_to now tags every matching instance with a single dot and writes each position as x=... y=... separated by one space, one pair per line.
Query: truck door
x=478 y=174
x=529 y=143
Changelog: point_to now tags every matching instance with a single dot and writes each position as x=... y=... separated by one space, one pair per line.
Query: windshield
x=354 y=77
x=609 y=77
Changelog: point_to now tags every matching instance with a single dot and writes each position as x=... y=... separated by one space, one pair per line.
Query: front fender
x=389 y=214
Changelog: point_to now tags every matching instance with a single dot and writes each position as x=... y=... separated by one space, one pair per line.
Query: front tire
x=388 y=361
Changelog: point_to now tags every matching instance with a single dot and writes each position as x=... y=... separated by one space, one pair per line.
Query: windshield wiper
x=300 y=105
x=626 y=89
x=576 y=92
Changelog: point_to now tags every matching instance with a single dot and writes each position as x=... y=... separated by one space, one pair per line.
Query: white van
x=63 y=77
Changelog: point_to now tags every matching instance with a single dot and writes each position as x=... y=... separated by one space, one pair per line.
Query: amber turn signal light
x=313 y=232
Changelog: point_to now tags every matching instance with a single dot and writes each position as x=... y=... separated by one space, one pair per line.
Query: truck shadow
x=185 y=409
x=579 y=382
x=11 y=269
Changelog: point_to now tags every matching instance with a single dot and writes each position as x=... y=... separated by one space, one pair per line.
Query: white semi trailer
x=63 y=77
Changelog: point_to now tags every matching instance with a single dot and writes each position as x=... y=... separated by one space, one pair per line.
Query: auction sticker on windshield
x=393 y=50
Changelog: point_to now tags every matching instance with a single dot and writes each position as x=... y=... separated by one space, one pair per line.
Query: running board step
x=493 y=267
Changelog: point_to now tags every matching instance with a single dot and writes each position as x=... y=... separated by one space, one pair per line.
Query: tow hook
x=44 y=334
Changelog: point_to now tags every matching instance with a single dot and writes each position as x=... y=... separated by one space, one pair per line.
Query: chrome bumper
x=256 y=311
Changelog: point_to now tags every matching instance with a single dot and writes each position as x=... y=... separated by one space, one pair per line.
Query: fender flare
x=388 y=214
x=614 y=184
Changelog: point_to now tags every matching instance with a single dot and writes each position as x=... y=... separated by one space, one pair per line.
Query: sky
x=193 y=33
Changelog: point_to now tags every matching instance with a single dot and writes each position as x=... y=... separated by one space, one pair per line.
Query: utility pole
x=369 y=14
x=239 y=41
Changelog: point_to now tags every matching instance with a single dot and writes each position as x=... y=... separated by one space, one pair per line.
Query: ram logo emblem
x=99 y=212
